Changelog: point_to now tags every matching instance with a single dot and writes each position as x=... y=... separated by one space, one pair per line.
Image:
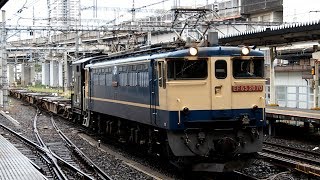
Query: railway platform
x=295 y=114
x=14 y=165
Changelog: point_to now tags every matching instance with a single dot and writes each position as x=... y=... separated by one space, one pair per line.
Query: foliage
x=42 y=88
x=38 y=67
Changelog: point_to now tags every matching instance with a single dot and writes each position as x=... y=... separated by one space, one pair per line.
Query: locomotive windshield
x=187 y=69
x=244 y=68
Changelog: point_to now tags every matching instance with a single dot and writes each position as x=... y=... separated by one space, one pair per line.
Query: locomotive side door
x=152 y=91
x=221 y=83
x=86 y=88
x=157 y=89
x=162 y=80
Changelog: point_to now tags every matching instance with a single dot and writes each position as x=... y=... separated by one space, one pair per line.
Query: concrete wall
x=25 y=74
x=290 y=78
x=45 y=73
x=11 y=74
x=60 y=74
x=288 y=94
x=54 y=70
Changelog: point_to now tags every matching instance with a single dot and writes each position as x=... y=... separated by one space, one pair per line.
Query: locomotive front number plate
x=247 y=88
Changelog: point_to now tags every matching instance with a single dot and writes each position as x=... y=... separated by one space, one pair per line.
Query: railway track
x=93 y=167
x=48 y=127
x=75 y=164
x=56 y=160
x=31 y=150
x=305 y=161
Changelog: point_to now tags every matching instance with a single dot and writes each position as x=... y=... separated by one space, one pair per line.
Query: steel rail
x=305 y=168
x=292 y=156
x=56 y=168
x=30 y=143
x=72 y=146
x=293 y=148
x=55 y=158
x=293 y=160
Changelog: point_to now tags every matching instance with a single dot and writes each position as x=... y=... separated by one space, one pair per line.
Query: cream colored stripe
x=124 y=102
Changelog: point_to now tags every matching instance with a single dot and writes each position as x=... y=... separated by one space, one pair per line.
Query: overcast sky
x=301 y=10
x=21 y=12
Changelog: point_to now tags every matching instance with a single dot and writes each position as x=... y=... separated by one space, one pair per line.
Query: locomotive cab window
x=248 y=68
x=221 y=69
x=181 y=69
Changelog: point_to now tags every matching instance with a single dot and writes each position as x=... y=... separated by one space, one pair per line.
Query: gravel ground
x=261 y=169
x=306 y=145
x=112 y=165
x=118 y=161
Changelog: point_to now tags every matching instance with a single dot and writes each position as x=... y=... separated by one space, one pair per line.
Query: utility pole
x=4 y=63
x=95 y=8
x=133 y=11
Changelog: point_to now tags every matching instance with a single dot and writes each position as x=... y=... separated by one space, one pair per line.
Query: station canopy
x=276 y=36
x=3 y=2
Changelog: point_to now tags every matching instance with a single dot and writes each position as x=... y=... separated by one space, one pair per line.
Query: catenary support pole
x=4 y=62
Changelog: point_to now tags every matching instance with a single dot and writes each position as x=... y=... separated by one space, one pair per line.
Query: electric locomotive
x=201 y=106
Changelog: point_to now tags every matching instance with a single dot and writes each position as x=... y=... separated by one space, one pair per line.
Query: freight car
x=203 y=107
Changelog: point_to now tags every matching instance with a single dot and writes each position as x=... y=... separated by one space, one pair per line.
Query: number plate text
x=247 y=88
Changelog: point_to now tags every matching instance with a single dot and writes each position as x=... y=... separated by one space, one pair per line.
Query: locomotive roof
x=88 y=59
x=82 y=60
x=202 y=52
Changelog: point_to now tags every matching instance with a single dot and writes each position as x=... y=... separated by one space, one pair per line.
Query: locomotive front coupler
x=253 y=132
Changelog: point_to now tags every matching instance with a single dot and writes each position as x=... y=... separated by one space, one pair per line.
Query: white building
x=64 y=12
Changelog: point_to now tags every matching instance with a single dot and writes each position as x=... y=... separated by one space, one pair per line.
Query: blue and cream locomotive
x=202 y=106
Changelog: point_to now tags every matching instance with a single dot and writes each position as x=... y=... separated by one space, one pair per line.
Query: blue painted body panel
x=169 y=119
x=135 y=94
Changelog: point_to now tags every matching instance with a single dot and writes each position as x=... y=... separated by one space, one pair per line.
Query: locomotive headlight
x=245 y=50
x=193 y=51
